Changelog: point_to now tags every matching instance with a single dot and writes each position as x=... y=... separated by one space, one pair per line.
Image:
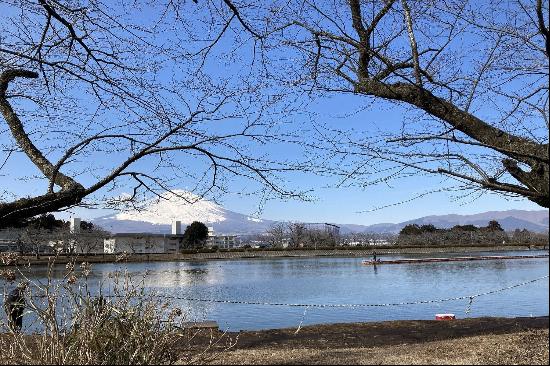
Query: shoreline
x=470 y=341
x=268 y=254
x=485 y=340
x=390 y=332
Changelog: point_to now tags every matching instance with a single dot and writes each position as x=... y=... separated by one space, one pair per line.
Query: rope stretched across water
x=242 y=302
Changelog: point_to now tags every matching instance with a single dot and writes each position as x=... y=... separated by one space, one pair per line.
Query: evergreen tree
x=411 y=229
x=195 y=235
x=494 y=226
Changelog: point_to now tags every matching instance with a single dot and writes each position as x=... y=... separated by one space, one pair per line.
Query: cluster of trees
x=528 y=237
x=45 y=234
x=493 y=233
x=415 y=229
x=47 y=222
x=299 y=235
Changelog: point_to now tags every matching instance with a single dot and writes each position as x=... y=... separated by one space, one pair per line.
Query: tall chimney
x=75 y=225
x=176 y=227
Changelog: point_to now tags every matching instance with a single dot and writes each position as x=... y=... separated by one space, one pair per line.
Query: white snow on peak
x=175 y=206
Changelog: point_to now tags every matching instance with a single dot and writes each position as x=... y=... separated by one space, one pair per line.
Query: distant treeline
x=493 y=233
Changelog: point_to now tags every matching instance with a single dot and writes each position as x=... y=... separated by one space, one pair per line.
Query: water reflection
x=331 y=280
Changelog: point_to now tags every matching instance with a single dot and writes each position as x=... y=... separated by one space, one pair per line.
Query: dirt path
x=465 y=341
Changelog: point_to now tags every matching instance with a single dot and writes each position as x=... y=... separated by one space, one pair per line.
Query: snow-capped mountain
x=157 y=215
x=177 y=205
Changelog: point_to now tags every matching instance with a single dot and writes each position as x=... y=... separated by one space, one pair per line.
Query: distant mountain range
x=536 y=221
x=157 y=215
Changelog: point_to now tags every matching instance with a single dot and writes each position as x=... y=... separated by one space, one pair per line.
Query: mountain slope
x=510 y=220
x=159 y=213
x=157 y=216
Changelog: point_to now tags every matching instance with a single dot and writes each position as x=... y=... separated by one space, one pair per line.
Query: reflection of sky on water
x=332 y=280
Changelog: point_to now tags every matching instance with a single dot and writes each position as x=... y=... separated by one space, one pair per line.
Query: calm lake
x=335 y=281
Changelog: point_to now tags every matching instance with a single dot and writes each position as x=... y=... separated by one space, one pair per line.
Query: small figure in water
x=15 y=305
x=374 y=256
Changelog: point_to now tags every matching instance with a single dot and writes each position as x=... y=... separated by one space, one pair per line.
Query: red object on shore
x=444 y=316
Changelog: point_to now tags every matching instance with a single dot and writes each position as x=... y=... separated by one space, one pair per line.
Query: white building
x=140 y=243
x=221 y=241
x=75 y=225
x=224 y=241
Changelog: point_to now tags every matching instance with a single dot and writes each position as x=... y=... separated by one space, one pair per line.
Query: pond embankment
x=283 y=253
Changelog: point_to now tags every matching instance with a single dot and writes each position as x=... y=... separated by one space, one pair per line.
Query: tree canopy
x=47 y=222
x=195 y=234
x=471 y=78
x=100 y=98
x=494 y=226
x=415 y=229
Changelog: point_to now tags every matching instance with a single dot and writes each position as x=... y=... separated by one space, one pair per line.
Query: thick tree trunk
x=535 y=182
x=28 y=207
x=22 y=138
x=71 y=191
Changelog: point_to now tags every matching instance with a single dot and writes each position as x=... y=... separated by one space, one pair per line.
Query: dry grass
x=520 y=348
x=75 y=326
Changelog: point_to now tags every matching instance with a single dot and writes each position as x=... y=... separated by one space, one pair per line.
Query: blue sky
x=350 y=205
x=353 y=205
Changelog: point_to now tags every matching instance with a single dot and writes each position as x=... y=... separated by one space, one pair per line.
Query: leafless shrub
x=8 y=258
x=126 y=326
